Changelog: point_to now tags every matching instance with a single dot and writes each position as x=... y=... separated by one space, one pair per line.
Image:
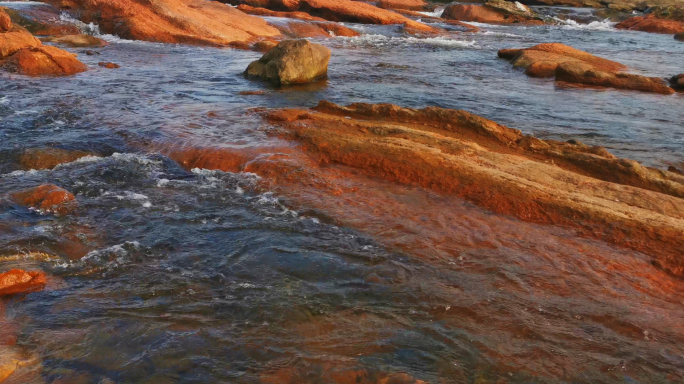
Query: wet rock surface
x=17 y=281
x=44 y=61
x=48 y=158
x=45 y=197
x=171 y=21
x=653 y=24
x=493 y=12
x=570 y=65
x=21 y=52
x=291 y=62
x=340 y=10
x=511 y=174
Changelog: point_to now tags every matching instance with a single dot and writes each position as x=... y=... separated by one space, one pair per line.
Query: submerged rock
x=571 y=65
x=170 y=21
x=76 y=41
x=108 y=65
x=45 y=197
x=291 y=62
x=17 y=281
x=47 y=158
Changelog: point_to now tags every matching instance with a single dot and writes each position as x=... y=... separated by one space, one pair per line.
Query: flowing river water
x=197 y=276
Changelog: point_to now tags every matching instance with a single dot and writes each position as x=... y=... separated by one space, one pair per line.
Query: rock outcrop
x=76 y=41
x=22 y=53
x=493 y=12
x=17 y=281
x=44 y=61
x=570 y=65
x=198 y=22
x=291 y=62
x=411 y=5
x=309 y=27
x=652 y=24
x=46 y=197
x=587 y=75
x=501 y=169
x=340 y=10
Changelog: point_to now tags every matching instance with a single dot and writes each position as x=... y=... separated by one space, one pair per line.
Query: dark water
x=199 y=277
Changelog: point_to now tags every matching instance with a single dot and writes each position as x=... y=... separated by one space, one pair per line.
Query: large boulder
x=679 y=36
x=291 y=62
x=44 y=61
x=198 y=22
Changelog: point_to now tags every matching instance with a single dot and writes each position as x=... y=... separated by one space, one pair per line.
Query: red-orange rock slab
x=342 y=10
x=652 y=24
x=18 y=281
x=44 y=61
x=198 y=22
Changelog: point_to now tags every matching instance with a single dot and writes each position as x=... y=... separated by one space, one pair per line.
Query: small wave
x=604 y=25
x=4 y=100
x=106 y=259
x=386 y=40
x=88 y=29
x=503 y=34
x=436 y=13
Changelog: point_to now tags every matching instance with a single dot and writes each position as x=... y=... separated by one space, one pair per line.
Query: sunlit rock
x=17 y=281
